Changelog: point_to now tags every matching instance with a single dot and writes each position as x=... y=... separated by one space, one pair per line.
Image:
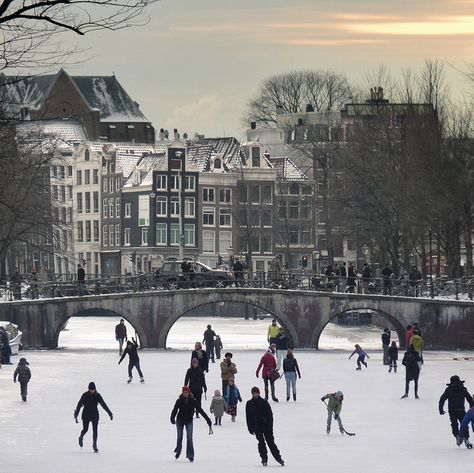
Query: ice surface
x=393 y=435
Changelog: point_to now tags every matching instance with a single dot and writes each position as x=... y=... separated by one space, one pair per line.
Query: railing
x=67 y=285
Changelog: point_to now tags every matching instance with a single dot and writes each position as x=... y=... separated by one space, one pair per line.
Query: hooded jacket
x=456 y=394
x=22 y=372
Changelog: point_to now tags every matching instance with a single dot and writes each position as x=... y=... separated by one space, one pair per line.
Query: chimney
x=162 y=134
x=309 y=108
x=167 y=134
x=176 y=134
x=253 y=125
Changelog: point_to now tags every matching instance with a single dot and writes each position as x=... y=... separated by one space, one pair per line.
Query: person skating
x=334 y=407
x=259 y=417
x=182 y=415
x=361 y=354
x=290 y=369
x=268 y=365
x=385 y=344
x=121 y=334
x=393 y=357
x=201 y=356
x=208 y=339
x=218 y=407
x=218 y=346
x=232 y=396
x=133 y=360
x=282 y=343
x=273 y=331
x=456 y=394
x=89 y=401
x=463 y=430
x=411 y=361
x=196 y=381
x=417 y=341
x=228 y=370
x=23 y=373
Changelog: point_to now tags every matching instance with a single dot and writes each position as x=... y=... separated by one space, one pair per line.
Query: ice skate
x=281 y=462
x=94 y=446
x=81 y=443
x=294 y=397
x=459 y=440
x=287 y=398
x=341 y=429
x=416 y=396
x=328 y=431
x=404 y=396
x=358 y=368
x=264 y=462
x=395 y=369
x=129 y=380
x=233 y=419
x=142 y=381
x=467 y=443
x=390 y=369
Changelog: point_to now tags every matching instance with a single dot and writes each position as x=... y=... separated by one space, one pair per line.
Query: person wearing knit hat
x=196 y=381
x=334 y=407
x=259 y=418
x=456 y=394
x=89 y=401
x=23 y=373
x=218 y=407
x=182 y=416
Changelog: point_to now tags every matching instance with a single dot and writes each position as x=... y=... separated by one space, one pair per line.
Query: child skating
x=392 y=357
x=218 y=346
x=218 y=407
x=23 y=373
x=360 y=356
x=232 y=396
x=334 y=406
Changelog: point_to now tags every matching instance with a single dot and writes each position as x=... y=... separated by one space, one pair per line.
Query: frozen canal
x=393 y=435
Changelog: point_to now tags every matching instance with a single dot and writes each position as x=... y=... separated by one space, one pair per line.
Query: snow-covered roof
x=286 y=169
x=68 y=130
x=142 y=173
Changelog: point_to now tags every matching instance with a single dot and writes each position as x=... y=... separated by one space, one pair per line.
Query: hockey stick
x=351 y=434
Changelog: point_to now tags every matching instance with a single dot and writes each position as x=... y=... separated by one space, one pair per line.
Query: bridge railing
x=67 y=285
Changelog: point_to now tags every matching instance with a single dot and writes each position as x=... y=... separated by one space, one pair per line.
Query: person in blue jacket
x=463 y=435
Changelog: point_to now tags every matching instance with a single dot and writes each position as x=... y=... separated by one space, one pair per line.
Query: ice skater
x=334 y=407
x=360 y=356
x=393 y=357
x=182 y=415
x=121 y=334
x=456 y=394
x=463 y=430
x=231 y=396
x=89 y=401
x=218 y=407
x=23 y=373
x=291 y=369
x=412 y=362
x=133 y=360
x=196 y=381
x=218 y=346
x=260 y=423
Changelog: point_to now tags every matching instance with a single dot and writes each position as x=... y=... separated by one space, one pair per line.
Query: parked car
x=14 y=336
x=171 y=276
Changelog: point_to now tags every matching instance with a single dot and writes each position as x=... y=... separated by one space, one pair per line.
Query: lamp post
x=180 y=213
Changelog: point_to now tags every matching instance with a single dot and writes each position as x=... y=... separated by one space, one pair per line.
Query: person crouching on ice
x=360 y=356
x=182 y=415
x=334 y=407
x=133 y=360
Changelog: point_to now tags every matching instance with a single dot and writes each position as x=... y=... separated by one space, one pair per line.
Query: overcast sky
x=196 y=63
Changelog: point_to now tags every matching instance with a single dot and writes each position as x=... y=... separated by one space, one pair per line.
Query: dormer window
x=217 y=163
x=87 y=155
x=255 y=157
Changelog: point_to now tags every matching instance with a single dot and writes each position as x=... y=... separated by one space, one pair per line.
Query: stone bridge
x=446 y=324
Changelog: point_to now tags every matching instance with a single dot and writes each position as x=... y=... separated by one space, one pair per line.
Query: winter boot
x=220 y=420
x=215 y=422
x=358 y=368
x=129 y=380
x=416 y=396
x=142 y=381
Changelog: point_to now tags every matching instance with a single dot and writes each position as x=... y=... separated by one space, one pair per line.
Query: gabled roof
x=103 y=93
x=286 y=169
x=142 y=173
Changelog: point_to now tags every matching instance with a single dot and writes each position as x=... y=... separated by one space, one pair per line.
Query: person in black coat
x=387 y=280
x=133 y=360
x=196 y=381
x=393 y=357
x=201 y=356
x=385 y=344
x=260 y=423
x=351 y=278
x=182 y=415
x=456 y=395
x=121 y=334
x=411 y=361
x=208 y=339
x=238 y=269
x=81 y=277
x=89 y=401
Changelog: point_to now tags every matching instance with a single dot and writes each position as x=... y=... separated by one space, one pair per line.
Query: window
x=255 y=194
x=87 y=176
x=266 y=194
x=208 y=216
x=111 y=235
x=294 y=189
x=161 y=206
x=88 y=231
x=96 y=230
x=305 y=210
x=351 y=245
x=80 y=232
x=79 y=178
x=128 y=210
x=189 y=235
x=62 y=172
x=111 y=184
x=294 y=207
x=254 y=218
x=63 y=193
x=117 y=235
x=208 y=195
x=208 y=241
x=174 y=234
x=104 y=185
x=267 y=217
x=255 y=243
x=189 y=207
x=225 y=196
x=79 y=202
x=87 y=196
x=255 y=157
x=96 y=201
x=161 y=239
x=117 y=184
x=225 y=218
x=117 y=207
x=143 y=210
x=144 y=236
x=70 y=192
x=55 y=192
x=65 y=240
x=266 y=242
x=105 y=208
x=126 y=237
x=306 y=236
x=69 y=171
x=161 y=181
x=54 y=171
x=293 y=236
x=175 y=179
x=189 y=183
x=217 y=163
x=225 y=242
x=105 y=236
x=174 y=206
x=111 y=208
x=87 y=155
x=243 y=217
x=95 y=176
x=243 y=193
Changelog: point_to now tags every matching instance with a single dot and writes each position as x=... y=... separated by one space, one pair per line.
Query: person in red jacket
x=408 y=335
x=269 y=373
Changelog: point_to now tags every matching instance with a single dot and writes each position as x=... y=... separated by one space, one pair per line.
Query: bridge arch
x=282 y=320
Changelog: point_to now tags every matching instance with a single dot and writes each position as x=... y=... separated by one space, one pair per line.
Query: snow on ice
x=40 y=436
